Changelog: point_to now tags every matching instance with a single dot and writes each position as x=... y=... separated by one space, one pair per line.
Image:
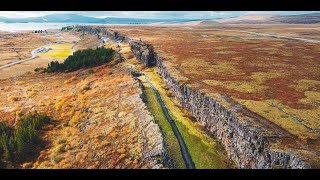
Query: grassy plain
x=58 y=51
x=20 y=41
x=17 y=46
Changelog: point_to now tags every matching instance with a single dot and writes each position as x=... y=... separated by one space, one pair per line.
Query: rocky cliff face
x=144 y=52
x=247 y=144
x=244 y=142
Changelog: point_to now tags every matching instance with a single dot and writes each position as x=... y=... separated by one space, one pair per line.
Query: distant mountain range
x=74 y=18
x=247 y=19
x=268 y=19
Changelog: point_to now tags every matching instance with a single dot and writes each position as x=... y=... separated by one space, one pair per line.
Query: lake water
x=12 y=27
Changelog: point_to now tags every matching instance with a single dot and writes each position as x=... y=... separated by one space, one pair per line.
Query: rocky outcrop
x=144 y=52
x=247 y=143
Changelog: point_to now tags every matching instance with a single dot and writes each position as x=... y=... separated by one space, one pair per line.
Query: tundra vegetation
x=275 y=78
x=206 y=151
x=263 y=79
x=97 y=118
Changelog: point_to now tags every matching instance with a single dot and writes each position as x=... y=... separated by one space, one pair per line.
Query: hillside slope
x=98 y=119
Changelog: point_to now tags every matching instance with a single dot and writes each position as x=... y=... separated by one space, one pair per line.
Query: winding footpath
x=184 y=150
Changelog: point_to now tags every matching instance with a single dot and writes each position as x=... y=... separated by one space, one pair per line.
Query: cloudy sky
x=150 y=14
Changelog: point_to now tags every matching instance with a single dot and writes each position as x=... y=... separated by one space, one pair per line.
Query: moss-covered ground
x=206 y=152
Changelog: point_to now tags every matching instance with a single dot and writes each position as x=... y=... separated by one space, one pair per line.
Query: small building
x=104 y=39
x=42 y=50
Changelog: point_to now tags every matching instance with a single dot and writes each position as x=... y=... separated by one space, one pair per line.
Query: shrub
x=39 y=69
x=85 y=87
x=22 y=141
x=61 y=141
x=82 y=59
x=121 y=150
x=91 y=71
x=67 y=28
x=75 y=119
x=13 y=98
x=26 y=136
x=5 y=141
x=35 y=120
x=20 y=82
x=136 y=73
x=61 y=103
x=31 y=93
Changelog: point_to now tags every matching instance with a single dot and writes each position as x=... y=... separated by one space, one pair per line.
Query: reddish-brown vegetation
x=95 y=118
x=250 y=69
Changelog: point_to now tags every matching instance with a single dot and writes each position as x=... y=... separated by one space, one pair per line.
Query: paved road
x=279 y=36
x=263 y=35
x=184 y=150
x=33 y=55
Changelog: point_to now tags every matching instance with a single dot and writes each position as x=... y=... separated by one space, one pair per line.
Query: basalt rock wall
x=247 y=144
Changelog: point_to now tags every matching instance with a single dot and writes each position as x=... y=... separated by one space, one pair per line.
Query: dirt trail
x=23 y=93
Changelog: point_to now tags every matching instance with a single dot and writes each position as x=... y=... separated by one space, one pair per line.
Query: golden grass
x=245 y=86
x=20 y=82
x=76 y=118
x=305 y=84
x=61 y=46
x=281 y=117
x=193 y=66
x=31 y=93
x=261 y=77
x=312 y=98
x=14 y=98
x=61 y=103
x=255 y=85
x=58 y=51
